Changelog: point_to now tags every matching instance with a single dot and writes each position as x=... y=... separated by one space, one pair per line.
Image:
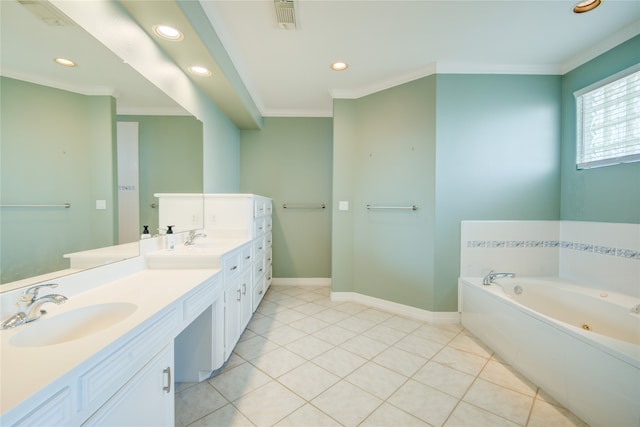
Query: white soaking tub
x=579 y=344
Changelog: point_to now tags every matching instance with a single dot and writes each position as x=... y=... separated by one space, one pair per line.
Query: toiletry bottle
x=171 y=240
x=145 y=232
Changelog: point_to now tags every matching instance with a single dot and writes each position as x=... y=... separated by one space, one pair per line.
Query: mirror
x=59 y=183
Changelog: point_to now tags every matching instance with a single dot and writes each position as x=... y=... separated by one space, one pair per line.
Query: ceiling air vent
x=285 y=14
x=47 y=13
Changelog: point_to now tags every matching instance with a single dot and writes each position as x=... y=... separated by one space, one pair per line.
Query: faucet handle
x=30 y=294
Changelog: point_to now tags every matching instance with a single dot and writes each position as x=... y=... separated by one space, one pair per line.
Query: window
x=608 y=127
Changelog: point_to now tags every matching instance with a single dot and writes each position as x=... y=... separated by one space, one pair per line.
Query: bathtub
x=581 y=345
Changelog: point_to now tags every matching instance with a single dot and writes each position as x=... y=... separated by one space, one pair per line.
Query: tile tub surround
x=305 y=360
x=601 y=255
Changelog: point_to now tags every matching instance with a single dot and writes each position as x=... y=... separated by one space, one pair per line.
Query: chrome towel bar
x=412 y=207
x=304 y=206
x=64 y=205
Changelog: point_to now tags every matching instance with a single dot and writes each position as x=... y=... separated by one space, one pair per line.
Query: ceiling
x=261 y=69
x=390 y=42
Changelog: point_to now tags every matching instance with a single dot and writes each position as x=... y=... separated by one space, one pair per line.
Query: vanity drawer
x=258 y=267
x=247 y=254
x=259 y=227
x=268 y=258
x=231 y=264
x=259 y=247
x=105 y=378
x=55 y=411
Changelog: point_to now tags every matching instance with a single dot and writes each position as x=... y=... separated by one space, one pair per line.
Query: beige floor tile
x=263 y=325
x=233 y=361
x=435 y=333
x=339 y=362
x=268 y=308
x=277 y=362
x=377 y=380
x=402 y=323
x=308 y=380
x=385 y=334
x=347 y=403
x=227 y=416
x=254 y=347
x=400 y=361
x=239 y=381
x=309 y=347
x=424 y=402
x=268 y=404
x=331 y=315
x=287 y=316
x=356 y=324
x=545 y=414
x=309 y=324
x=310 y=296
x=506 y=376
x=444 y=378
x=471 y=344
x=460 y=360
x=419 y=346
x=309 y=308
x=309 y=416
x=291 y=302
x=196 y=402
x=335 y=335
x=374 y=315
x=466 y=415
x=501 y=401
x=364 y=346
x=284 y=335
x=351 y=307
x=389 y=416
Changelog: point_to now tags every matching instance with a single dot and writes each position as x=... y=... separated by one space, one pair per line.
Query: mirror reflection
x=83 y=149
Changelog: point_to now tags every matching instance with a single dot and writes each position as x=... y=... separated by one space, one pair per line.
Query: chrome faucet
x=193 y=235
x=489 y=278
x=28 y=306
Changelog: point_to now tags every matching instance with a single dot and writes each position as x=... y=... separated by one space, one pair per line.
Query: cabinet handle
x=260 y=270
x=244 y=289
x=235 y=267
x=247 y=257
x=260 y=293
x=239 y=295
x=260 y=248
x=167 y=372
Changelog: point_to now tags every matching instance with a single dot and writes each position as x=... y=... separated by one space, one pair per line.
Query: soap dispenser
x=145 y=232
x=171 y=240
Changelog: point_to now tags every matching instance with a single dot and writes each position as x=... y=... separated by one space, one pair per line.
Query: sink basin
x=72 y=325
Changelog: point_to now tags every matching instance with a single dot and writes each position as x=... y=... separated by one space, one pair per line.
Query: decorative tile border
x=562 y=244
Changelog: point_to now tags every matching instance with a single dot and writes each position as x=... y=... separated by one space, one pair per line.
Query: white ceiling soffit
x=32 y=34
x=387 y=43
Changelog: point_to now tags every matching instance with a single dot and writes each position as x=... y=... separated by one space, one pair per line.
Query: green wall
x=170 y=159
x=610 y=193
x=384 y=154
x=458 y=146
x=56 y=147
x=498 y=158
x=289 y=160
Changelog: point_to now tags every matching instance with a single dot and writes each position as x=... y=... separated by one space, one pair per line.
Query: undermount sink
x=72 y=325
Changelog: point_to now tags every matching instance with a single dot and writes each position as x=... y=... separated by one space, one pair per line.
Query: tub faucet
x=489 y=278
x=28 y=306
x=193 y=235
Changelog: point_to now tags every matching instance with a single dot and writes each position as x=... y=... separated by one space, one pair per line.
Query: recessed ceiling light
x=199 y=71
x=586 y=6
x=64 y=61
x=339 y=66
x=168 y=33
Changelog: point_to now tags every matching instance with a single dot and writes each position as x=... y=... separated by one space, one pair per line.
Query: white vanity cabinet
x=146 y=400
x=238 y=298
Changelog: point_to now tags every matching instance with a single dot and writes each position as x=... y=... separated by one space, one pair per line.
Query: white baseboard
x=400 y=309
x=301 y=281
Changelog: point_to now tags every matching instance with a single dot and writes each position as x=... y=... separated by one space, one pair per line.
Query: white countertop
x=27 y=370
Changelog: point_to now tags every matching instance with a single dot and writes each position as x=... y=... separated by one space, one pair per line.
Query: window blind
x=608 y=114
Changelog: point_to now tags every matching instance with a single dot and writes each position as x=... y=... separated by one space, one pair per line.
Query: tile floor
x=307 y=361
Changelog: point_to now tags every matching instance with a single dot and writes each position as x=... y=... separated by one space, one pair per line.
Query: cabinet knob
x=239 y=295
x=244 y=289
x=235 y=267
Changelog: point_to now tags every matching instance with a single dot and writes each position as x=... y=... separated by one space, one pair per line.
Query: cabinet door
x=146 y=400
x=246 y=288
x=232 y=307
